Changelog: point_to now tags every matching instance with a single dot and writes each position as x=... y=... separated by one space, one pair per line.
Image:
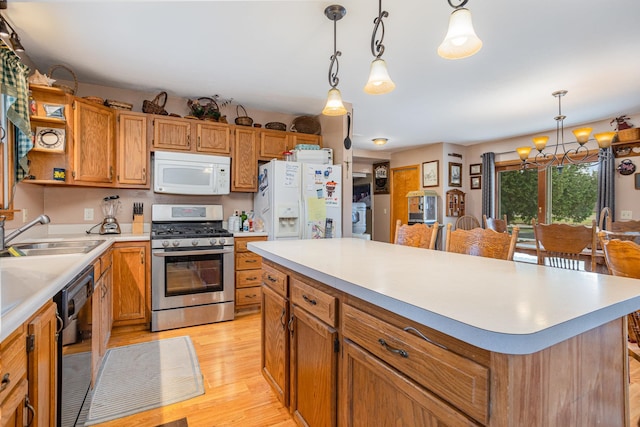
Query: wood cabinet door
x=273 y=144
x=132 y=151
x=373 y=393
x=305 y=138
x=213 y=138
x=13 y=407
x=275 y=343
x=244 y=164
x=131 y=294
x=42 y=361
x=93 y=143
x=106 y=318
x=171 y=133
x=314 y=371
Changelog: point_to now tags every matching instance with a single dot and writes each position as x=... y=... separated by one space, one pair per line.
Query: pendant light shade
x=334 y=106
x=379 y=81
x=461 y=40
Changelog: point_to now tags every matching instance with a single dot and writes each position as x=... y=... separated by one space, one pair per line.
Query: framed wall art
x=476 y=182
x=637 y=177
x=430 y=174
x=475 y=169
x=455 y=174
x=381 y=178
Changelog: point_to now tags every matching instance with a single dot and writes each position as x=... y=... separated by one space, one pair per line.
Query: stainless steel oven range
x=192 y=266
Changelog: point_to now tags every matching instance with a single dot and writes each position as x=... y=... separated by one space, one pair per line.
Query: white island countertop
x=28 y=282
x=502 y=306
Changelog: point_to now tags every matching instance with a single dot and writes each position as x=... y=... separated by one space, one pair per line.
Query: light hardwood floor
x=236 y=394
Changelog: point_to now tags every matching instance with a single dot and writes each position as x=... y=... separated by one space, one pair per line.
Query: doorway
x=362 y=218
x=403 y=180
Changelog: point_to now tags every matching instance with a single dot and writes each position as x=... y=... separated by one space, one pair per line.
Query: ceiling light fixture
x=334 y=106
x=379 y=81
x=575 y=155
x=6 y=30
x=380 y=141
x=461 y=40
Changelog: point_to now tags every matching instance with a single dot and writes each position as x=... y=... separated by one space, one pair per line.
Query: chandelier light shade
x=461 y=40
x=380 y=141
x=576 y=155
x=379 y=80
x=334 y=106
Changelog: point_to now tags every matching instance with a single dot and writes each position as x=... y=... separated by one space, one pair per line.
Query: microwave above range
x=186 y=173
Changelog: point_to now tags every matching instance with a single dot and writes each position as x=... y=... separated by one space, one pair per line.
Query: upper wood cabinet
x=170 y=133
x=244 y=164
x=273 y=143
x=173 y=133
x=93 y=143
x=132 y=150
x=214 y=138
x=304 y=138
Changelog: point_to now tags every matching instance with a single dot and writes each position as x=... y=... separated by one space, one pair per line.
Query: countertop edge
x=486 y=339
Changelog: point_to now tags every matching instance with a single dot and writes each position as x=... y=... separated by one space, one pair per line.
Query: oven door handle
x=196 y=252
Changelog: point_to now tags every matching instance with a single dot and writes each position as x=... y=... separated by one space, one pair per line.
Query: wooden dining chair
x=416 y=235
x=495 y=224
x=623 y=259
x=482 y=242
x=467 y=222
x=565 y=246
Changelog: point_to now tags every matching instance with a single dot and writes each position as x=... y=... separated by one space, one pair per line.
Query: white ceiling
x=274 y=55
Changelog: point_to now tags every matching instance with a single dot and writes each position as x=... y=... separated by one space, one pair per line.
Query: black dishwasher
x=74 y=346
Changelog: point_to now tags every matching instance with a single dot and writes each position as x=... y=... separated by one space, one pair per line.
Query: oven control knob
x=165 y=243
x=223 y=240
x=175 y=243
x=212 y=242
x=194 y=242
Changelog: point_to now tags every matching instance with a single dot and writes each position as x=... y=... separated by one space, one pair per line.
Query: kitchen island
x=467 y=340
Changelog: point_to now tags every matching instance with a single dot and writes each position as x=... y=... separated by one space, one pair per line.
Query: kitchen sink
x=55 y=248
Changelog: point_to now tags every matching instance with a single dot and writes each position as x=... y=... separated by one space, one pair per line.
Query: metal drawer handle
x=401 y=352
x=251 y=261
x=421 y=335
x=310 y=301
x=282 y=321
x=251 y=296
x=251 y=278
x=272 y=279
x=5 y=381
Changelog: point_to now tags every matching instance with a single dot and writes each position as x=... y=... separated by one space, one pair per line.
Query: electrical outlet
x=88 y=214
x=625 y=215
x=25 y=216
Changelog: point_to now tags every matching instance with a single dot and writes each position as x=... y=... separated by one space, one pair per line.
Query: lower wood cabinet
x=248 y=266
x=131 y=284
x=275 y=342
x=28 y=373
x=102 y=303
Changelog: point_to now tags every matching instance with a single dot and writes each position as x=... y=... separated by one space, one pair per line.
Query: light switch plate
x=625 y=215
x=88 y=214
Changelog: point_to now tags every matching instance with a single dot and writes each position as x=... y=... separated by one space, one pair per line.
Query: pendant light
x=334 y=106
x=461 y=40
x=379 y=81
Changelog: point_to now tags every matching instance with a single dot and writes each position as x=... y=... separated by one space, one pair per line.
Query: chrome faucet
x=42 y=219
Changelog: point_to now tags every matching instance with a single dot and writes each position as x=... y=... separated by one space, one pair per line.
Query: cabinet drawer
x=454 y=378
x=13 y=405
x=105 y=261
x=248 y=278
x=241 y=242
x=14 y=361
x=248 y=296
x=316 y=302
x=248 y=261
x=275 y=279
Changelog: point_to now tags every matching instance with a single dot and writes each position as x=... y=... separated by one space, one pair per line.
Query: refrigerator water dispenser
x=288 y=221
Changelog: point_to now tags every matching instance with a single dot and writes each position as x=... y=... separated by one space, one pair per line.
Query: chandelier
x=379 y=81
x=576 y=155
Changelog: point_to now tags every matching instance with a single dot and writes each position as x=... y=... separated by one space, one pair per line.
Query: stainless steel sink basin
x=55 y=248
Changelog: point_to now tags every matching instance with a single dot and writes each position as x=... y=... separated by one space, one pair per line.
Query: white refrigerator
x=299 y=200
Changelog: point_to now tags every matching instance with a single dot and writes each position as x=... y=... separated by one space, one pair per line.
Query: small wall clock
x=49 y=139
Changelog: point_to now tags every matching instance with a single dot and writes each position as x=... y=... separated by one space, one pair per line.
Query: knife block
x=138 y=224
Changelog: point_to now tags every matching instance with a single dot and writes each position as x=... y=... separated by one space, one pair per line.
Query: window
x=557 y=194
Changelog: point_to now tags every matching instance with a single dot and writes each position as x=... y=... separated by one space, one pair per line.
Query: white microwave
x=185 y=173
